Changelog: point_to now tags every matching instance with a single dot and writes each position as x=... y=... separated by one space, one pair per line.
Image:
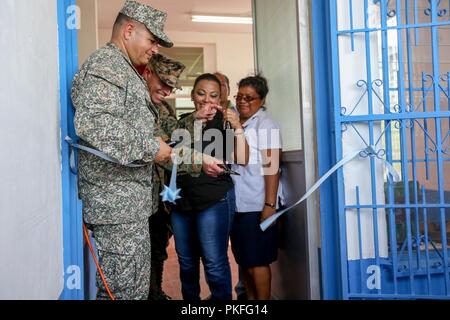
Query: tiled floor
x=171 y=281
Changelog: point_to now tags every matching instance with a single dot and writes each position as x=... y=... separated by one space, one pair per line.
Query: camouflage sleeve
x=194 y=168
x=159 y=132
x=98 y=121
x=167 y=124
x=187 y=122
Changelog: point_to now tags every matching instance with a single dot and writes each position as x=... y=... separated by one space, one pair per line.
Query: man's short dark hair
x=121 y=20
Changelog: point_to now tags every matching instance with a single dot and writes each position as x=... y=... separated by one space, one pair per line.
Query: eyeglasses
x=247 y=99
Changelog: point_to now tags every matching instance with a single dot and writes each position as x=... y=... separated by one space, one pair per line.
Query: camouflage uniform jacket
x=114 y=114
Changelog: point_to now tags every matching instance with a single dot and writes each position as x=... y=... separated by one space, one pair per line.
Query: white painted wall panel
x=277 y=43
x=31 y=254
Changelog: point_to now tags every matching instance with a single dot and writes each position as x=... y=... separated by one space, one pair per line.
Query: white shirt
x=262 y=133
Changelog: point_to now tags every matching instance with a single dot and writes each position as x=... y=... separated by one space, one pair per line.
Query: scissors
x=228 y=171
x=171 y=143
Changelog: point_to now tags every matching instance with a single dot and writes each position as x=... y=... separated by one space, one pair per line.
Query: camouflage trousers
x=124 y=256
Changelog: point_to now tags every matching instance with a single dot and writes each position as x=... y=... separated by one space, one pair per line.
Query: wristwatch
x=270 y=205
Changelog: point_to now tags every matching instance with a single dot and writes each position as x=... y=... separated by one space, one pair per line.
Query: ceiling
x=179 y=13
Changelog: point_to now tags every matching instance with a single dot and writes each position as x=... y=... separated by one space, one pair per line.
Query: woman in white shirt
x=257 y=190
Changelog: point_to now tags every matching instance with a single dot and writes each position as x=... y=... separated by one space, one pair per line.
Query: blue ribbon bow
x=171 y=193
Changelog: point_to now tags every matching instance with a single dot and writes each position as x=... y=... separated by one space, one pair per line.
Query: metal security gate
x=391 y=99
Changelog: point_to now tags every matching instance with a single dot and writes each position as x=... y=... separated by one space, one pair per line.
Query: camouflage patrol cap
x=152 y=18
x=168 y=70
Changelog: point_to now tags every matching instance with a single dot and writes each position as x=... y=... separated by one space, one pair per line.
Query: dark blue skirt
x=250 y=245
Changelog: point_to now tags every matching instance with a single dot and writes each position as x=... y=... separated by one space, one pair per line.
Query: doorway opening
x=202 y=47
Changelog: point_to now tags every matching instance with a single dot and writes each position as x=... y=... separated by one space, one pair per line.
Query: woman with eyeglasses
x=202 y=218
x=257 y=190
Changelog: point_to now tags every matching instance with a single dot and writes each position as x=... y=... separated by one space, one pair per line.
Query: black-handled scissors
x=171 y=143
x=228 y=171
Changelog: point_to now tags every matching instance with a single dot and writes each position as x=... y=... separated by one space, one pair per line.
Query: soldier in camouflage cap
x=162 y=76
x=114 y=114
x=167 y=70
x=153 y=19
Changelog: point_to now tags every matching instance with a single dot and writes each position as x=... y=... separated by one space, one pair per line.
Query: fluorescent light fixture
x=222 y=19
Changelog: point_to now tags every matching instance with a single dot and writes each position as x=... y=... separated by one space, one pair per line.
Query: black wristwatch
x=270 y=205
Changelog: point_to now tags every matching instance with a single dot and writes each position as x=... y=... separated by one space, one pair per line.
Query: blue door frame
x=330 y=267
x=415 y=267
x=72 y=217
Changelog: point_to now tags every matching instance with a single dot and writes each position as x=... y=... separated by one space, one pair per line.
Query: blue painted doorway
x=72 y=217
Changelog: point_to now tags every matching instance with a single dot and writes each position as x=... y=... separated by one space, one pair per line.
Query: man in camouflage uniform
x=114 y=115
x=162 y=76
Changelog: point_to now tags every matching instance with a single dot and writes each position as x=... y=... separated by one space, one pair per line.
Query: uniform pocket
x=120 y=273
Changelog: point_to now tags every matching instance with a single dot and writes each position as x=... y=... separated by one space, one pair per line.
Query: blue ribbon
x=172 y=194
x=95 y=152
x=364 y=153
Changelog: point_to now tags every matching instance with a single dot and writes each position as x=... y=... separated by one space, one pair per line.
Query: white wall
x=30 y=169
x=104 y=35
x=233 y=54
x=278 y=60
